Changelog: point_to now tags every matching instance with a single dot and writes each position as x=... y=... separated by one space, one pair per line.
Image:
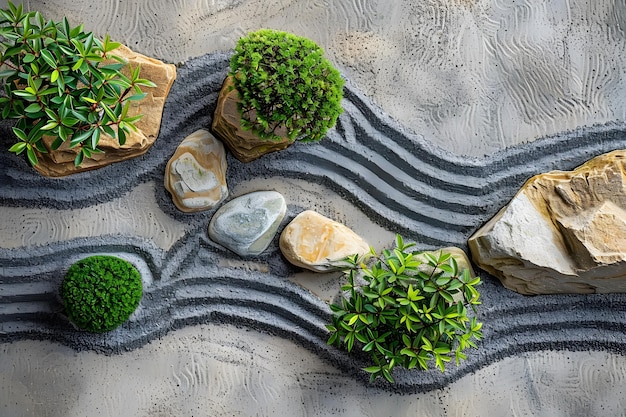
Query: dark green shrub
x=409 y=310
x=283 y=80
x=101 y=292
x=61 y=82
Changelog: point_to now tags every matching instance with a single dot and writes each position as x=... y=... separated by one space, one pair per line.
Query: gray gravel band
x=398 y=180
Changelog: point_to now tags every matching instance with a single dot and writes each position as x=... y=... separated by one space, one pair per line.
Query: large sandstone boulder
x=247 y=224
x=245 y=145
x=196 y=173
x=564 y=232
x=317 y=243
x=60 y=162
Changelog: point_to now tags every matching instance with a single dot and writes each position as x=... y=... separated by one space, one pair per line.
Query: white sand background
x=472 y=76
x=224 y=371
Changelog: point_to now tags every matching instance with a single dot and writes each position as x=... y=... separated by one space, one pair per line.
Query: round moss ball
x=101 y=292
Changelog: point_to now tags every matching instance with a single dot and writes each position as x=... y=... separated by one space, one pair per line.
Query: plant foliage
x=410 y=310
x=101 y=292
x=284 y=81
x=63 y=82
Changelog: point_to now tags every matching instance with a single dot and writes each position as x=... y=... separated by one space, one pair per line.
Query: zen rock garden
x=84 y=105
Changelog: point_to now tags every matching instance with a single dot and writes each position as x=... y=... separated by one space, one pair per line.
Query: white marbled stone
x=247 y=224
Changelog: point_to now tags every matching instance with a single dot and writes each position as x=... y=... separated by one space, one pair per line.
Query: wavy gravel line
x=396 y=178
x=203 y=292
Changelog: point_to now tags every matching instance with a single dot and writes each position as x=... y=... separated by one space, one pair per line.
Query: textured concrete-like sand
x=472 y=76
x=224 y=371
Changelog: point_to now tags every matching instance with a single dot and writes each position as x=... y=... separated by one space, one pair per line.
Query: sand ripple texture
x=472 y=76
x=396 y=179
x=222 y=371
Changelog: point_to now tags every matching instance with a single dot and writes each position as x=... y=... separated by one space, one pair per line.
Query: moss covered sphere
x=101 y=292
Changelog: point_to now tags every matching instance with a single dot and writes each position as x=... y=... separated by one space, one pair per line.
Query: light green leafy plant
x=406 y=308
x=63 y=82
x=284 y=81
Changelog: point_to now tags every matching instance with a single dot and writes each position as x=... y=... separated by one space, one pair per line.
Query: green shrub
x=101 y=292
x=63 y=82
x=285 y=81
x=409 y=310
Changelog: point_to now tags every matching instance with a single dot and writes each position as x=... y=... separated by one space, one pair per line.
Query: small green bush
x=283 y=80
x=62 y=82
x=409 y=311
x=101 y=292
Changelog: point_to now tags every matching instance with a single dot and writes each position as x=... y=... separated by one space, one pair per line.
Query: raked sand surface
x=471 y=76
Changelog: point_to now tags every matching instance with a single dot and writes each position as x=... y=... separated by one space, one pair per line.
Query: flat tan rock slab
x=60 y=162
x=245 y=145
x=317 y=243
x=195 y=176
x=564 y=232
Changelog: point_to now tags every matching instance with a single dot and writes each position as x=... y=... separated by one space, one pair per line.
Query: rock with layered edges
x=317 y=243
x=245 y=145
x=195 y=176
x=60 y=162
x=564 y=232
x=247 y=224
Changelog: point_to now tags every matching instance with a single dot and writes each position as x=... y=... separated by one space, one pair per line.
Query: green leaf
x=49 y=58
x=50 y=125
x=32 y=158
x=79 y=158
x=95 y=138
x=18 y=148
x=20 y=134
x=78 y=138
x=33 y=108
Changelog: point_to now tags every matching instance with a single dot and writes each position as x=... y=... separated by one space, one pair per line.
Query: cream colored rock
x=196 y=173
x=60 y=162
x=245 y=145
x=315 y=242
x=564 y=232
x=458 y=254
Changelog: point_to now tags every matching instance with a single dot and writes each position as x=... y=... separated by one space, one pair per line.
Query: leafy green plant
x=63 y=82
x=410 y=309
x=101 y=292
x=284 y=81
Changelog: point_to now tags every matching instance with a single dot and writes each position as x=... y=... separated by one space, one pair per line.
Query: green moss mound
x=284 y=82
x=101 y=292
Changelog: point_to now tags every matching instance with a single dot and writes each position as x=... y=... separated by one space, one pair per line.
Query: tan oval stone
x=245 y=145
x=318 y=243
x=195 y=175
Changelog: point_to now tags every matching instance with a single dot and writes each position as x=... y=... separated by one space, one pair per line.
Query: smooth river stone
x=317 y=243
x=196 y=173
x=247 y=224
